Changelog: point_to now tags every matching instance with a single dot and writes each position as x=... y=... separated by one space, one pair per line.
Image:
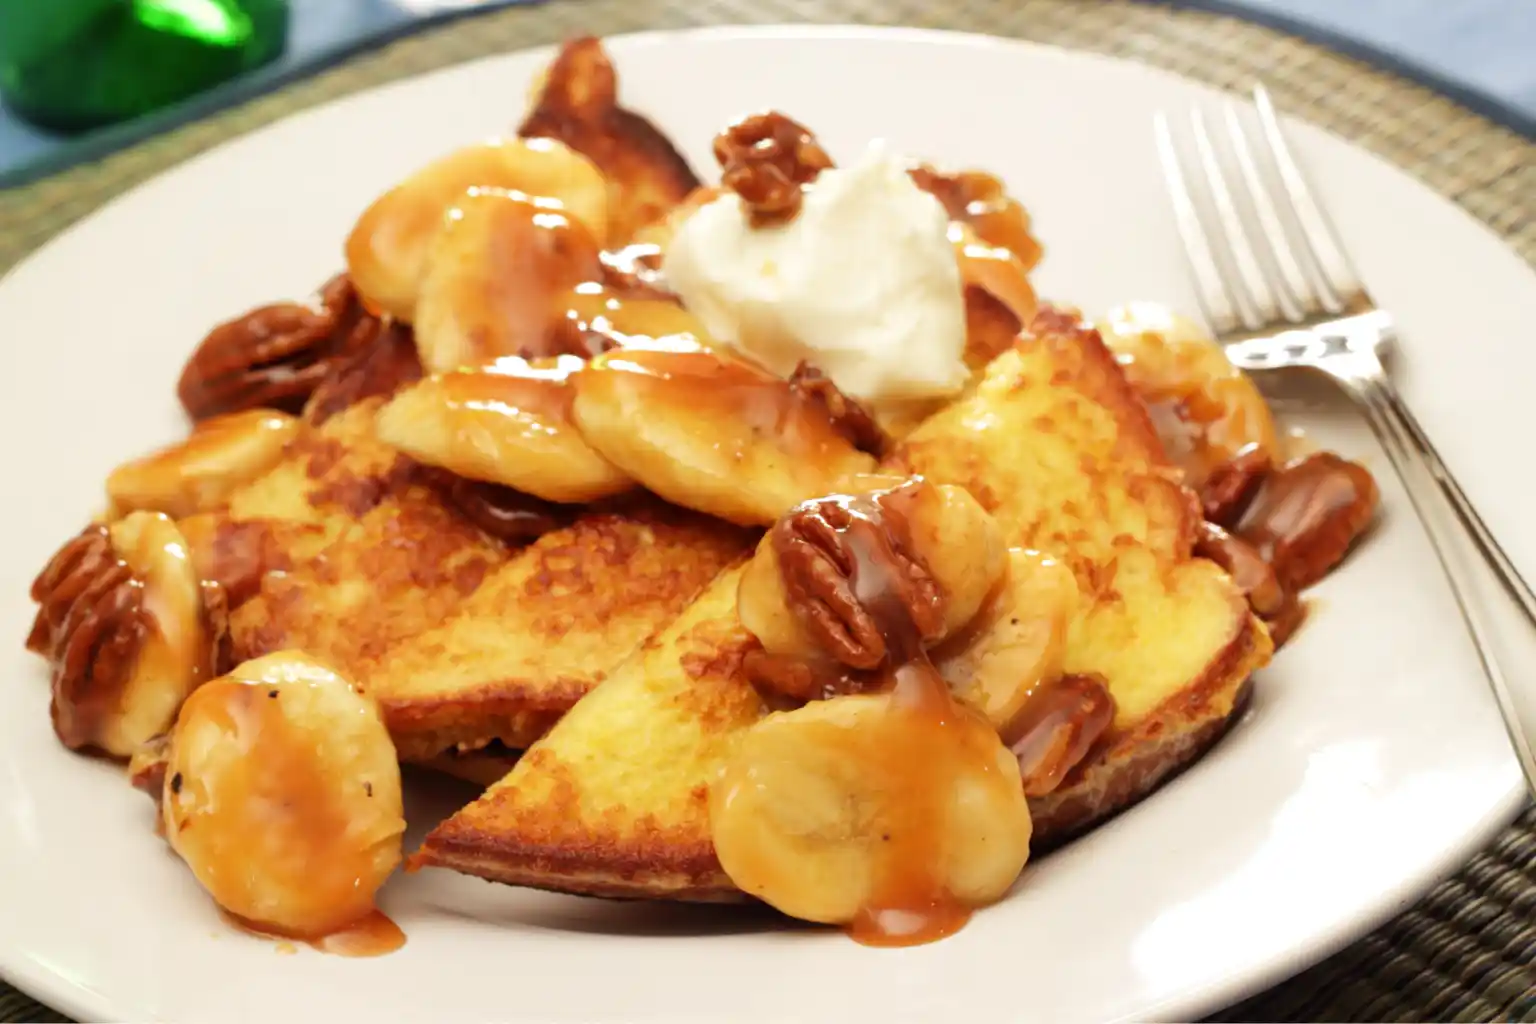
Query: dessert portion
x=279 y=788
x=766 y=539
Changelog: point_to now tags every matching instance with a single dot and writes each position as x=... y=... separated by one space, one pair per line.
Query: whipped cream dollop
x=862 y=283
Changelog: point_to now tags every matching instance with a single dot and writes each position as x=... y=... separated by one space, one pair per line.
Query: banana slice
x=859 y=804
x=1206 y=410
x=177 y=652
x=509 y=423
x=710 y=433
x=282 y=794
x=1016 y=644
x=387 y=249
x=495 y=280
x=995 y=270
x=200 y=473
x=952 y=536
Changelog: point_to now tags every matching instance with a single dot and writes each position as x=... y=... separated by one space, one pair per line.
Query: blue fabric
x=1481 y=52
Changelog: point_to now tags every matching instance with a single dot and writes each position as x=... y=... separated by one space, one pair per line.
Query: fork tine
x=1296 y=296
x=1337 y=281
x=1211 y=288
x=1256 y=299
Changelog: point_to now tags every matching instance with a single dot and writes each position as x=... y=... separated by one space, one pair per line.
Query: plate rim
x=80 y=1000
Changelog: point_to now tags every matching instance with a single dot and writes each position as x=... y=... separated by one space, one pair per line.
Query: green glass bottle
x=71 y=65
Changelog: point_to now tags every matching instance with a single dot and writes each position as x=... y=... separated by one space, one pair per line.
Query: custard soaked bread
x=615 y=799
x=463 y=638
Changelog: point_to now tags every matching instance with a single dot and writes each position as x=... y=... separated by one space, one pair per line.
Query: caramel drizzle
x=910 y=902
x=282 y=790
x=1290 y=527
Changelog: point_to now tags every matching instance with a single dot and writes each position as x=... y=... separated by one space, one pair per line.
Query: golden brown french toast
x=352 y=552
x=578 y=104
x=613 y=801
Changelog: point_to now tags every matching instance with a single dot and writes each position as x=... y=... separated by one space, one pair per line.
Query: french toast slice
x=349 y=551
x=613 y=800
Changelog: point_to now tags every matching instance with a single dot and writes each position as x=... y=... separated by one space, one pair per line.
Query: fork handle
x=1487 y=543
x=1420 y=469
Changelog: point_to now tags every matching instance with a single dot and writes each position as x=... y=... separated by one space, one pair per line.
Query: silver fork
x=1294 y=300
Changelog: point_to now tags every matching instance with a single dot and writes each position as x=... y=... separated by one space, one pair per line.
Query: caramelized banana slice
x=817 y=807
x=178 y=648
x=953 y=537
x=710 y=433
x=1017 y=642
x=995 y=270
x=508 y=423
x=200 y=473
x=387 y=249
x=282 y=794
x=495 y=279
x=1205 y=409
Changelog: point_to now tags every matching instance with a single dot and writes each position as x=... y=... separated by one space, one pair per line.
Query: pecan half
x=790 y=682
x=766 y=159
x=849 y=418
x=1063 y=722
x=91 y=626
x=510 y=516
x=377 y=369
x=849 y=572
x=1232 y=485
x=1308 y=514
x=1271 y=600
x=275 y=356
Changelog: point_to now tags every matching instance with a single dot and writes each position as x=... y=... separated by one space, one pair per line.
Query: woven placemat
x=1468 y=950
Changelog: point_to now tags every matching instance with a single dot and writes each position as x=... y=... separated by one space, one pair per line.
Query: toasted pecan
x=1308 y=514
x=376 y=370
x=849 y=418
x=1065 y=719
x=767 y=159
x=822 y=547
x=275 y=356
x=510 y=516
x=91 y=626
x=1232 y=485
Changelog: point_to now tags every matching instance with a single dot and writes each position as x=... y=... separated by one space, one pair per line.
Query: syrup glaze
x=276 y=801
x=750 y=405
x=929 y=741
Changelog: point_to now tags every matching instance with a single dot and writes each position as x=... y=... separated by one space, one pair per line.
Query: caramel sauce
x=749 y=404
x=632 y=321
x=980 y=200
x=1062 y=721
x=374 y=934
x=1287 y=528
x=931 y=740
x=533 y=284
x=277 y=799
x=502 y=272
x=994 y=270
x=537 y=396
x=1307 y=514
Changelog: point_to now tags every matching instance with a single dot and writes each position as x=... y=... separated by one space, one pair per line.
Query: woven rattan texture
x=1468 y=950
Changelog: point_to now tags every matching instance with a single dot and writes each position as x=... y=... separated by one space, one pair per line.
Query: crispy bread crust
x=571 y=832
x=673 y=864
x=1130 y=764
x=578 y=105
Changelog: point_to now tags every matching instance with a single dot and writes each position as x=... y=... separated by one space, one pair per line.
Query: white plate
x=1371 y=763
